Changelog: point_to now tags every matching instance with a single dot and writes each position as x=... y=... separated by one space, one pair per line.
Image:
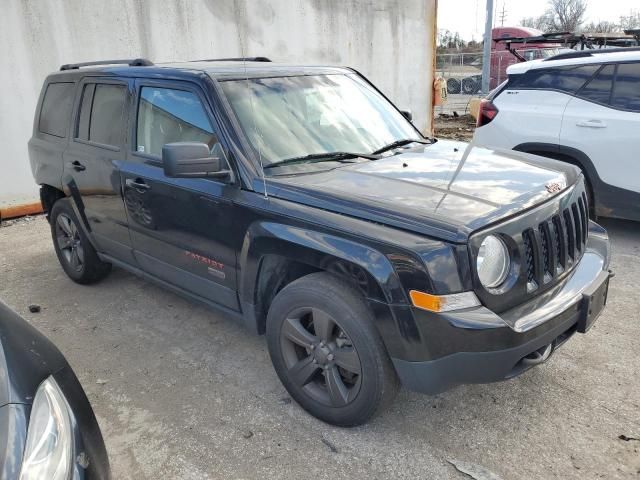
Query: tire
x=453 y=86
x=469 y=86
x=327 y=351
x=75 y=253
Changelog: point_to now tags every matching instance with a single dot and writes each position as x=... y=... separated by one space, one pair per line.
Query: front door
x=181 y=228
x=91 y=161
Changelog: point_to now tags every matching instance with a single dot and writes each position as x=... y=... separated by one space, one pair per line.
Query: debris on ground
x=101 y=381
x=628 y=439
x=247 y=434
x=19 y=221
x=455 y=127
x=33 y=308
x=331 y=446
x=471 y=470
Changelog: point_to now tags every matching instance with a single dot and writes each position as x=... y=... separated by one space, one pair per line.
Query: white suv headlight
x=493 y=261
x=49 y=449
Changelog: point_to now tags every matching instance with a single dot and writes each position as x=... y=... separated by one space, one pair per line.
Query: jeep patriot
x=301 y=202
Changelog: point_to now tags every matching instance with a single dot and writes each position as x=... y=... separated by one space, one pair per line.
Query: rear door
x=91 y=162
x=183 y=229
x=603 y=121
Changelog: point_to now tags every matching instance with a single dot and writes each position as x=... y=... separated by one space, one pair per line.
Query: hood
x=26 y=358
x=445 y=190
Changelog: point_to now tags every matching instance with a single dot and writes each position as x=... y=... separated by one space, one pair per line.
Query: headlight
x=48 y=452
x=493 y=262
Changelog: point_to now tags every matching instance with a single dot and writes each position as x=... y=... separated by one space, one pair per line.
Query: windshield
x=291 y=117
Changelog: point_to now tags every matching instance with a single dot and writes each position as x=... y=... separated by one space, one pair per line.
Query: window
x=565 y=79
x=56 y=108
x=599 y=89
x=102 y=114
x=166 y=116
x=626 y=90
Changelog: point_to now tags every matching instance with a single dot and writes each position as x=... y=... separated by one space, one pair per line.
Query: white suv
x=580 y=107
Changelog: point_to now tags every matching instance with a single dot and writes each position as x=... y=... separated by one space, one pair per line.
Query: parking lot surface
x=184 y=393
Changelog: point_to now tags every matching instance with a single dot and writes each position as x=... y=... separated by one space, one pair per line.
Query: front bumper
x=478 y=346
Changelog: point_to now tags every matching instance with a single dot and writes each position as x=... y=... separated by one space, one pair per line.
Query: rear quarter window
x=56 y=109
x=563 y=79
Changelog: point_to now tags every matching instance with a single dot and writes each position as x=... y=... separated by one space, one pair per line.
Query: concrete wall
x=390 y=41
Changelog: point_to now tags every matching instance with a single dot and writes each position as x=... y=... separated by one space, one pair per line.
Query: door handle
x=591 y=123
x=77 y=166
x=137 y=184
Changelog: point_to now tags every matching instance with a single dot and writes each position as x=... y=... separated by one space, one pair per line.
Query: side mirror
x=407 y=114
x=191 y=160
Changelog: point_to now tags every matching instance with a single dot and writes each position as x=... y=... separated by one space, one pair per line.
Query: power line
x=503 y=15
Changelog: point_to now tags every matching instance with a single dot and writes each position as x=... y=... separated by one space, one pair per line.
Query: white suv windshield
x=290 y=117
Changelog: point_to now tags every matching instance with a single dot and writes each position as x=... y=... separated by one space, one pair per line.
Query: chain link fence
x=463 y=74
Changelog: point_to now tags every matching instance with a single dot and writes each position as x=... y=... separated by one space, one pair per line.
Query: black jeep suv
x=300 y=201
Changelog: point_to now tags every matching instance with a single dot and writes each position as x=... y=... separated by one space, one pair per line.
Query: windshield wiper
x=321 y=157
x=400 y=143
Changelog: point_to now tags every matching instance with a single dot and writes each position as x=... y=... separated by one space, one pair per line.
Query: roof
x=216 y=69
x=579 y=57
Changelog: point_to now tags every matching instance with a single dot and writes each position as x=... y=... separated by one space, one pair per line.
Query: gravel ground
x=184 y=393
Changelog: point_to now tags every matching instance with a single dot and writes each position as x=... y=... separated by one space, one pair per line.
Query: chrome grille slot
x=530 y=260
x=547 y=252
x=584 y=216
x=570 y=236
x=561 y=246
x=577 y=223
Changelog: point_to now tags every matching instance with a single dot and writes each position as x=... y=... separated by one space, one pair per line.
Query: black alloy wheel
x=327 y=351
x=75 y=252
x=69 y=242
x=320 y=357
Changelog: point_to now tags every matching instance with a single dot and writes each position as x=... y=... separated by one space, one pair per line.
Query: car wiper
x=400 y=143
x=321 y=157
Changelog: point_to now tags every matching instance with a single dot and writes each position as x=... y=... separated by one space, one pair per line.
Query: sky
x=470 y=24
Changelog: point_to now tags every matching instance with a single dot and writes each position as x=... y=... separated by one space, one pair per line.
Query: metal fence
x=463 y=73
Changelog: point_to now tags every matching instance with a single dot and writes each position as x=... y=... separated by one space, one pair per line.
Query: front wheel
x=327 y=352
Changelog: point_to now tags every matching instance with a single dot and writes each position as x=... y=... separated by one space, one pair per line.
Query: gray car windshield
x=291 y=117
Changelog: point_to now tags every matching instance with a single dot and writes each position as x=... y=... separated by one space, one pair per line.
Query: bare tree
x=566 y=15
x=539 y=23
x=631 y=21
x=561 y=16
x=601 y=27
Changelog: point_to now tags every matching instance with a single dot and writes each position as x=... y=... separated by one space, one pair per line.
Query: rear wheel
x=327 y=352
x=77 y=256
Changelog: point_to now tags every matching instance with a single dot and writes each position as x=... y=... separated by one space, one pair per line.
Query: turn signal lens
x=443 y=303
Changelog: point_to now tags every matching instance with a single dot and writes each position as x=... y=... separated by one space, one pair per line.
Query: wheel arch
x=274 y=255
x=569 y=155
x=49 y=196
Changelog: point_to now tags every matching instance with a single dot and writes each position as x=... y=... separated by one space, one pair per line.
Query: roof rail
x=591 y=53
x=134 y=62
x=566 y=55
x=237 y=59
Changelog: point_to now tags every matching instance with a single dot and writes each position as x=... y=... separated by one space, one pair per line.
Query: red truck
x=509 y=46
x=502 y=57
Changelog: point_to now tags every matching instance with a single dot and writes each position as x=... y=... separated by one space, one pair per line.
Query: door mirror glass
x=191 y=160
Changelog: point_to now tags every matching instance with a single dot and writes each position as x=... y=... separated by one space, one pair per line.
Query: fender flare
x=315 y=248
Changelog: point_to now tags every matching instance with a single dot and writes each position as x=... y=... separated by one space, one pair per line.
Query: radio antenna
x=253 y=115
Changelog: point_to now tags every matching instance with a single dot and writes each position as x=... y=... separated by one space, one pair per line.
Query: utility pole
x=503 y=15
x=486 y=56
